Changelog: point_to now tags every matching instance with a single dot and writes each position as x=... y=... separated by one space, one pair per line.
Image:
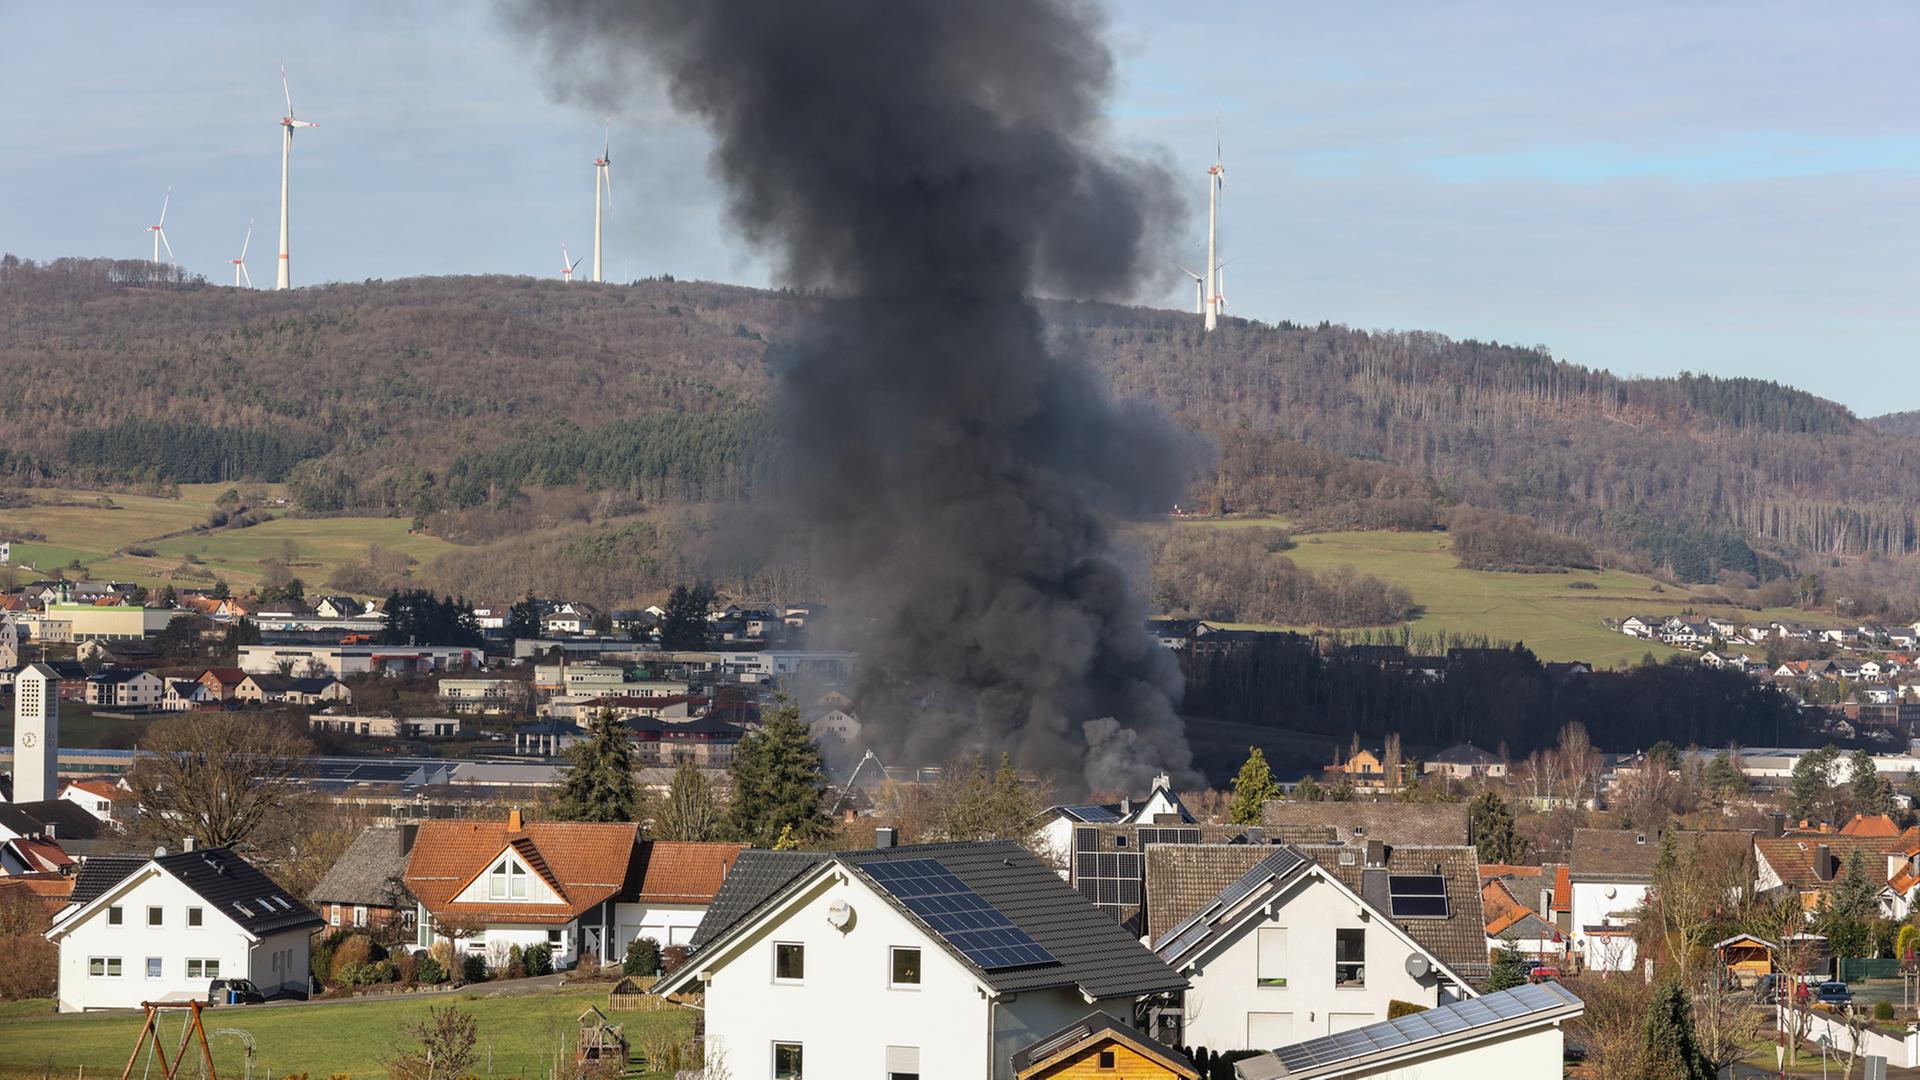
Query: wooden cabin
x=1100 y=1047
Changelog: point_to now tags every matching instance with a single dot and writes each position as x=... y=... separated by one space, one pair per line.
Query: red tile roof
x=102 y=787
x=42 y=856
x=1877 y=825
x=1792 y=857
x=1502 y=870
x=585 y=863
x=678 y=872
x=1563 y=888
x=1500 y=908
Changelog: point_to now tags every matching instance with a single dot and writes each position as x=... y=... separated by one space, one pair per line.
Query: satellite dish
x=839 y=915
x=1612 y=892
x=1417 y=965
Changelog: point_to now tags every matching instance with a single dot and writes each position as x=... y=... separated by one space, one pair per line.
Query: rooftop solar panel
x=938 y=897
x=1094 y=814
x=1419 y=1027
x=1417 y=896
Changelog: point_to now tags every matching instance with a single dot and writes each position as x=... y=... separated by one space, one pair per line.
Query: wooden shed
x=1745 y=958
x=1100 y=1046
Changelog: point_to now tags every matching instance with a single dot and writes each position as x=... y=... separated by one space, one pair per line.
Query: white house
x=677 y=883
x=1288 y=952
x=169 y=925
x=1054 y=829
x=125 y=688
x=939 y=960
x=1510 y=1034
x=1612 y=870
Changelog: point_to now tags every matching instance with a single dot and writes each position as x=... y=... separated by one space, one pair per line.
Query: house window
x=508 y=881
x=359 y=915
x=333 y=914
x=203 y=969
x=1272 y=965
x=1106 y=1059
x=789 y=965
x=195 y=916
x=104 y=966
x=153 y=967
x=154 y=917
x=1349 y=958
x=115 y=916
x=906 y=967
x=553 y=939
x=786 y=1061
x=903 y=1063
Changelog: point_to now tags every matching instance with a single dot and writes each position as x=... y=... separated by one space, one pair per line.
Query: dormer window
x=507 y=881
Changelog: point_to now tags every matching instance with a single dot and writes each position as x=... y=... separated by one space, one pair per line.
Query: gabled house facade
x=1288 y=952
x=938 y=960
x=172 y=924
x=366 y=887
x=125 y=688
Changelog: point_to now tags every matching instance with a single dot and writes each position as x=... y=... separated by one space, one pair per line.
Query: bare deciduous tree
x=225 y=779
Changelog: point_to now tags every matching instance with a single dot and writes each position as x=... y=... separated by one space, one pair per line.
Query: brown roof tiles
x=584 y=862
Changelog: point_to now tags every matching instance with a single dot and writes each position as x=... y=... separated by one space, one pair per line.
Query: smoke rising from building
x=931 y=165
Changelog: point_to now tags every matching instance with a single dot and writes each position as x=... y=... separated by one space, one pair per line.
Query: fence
x=1851 y=970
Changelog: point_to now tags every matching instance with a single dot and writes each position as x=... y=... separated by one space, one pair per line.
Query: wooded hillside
x=431 y=395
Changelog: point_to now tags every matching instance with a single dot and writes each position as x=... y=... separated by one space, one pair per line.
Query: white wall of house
x=178 y=950
x=1593 y=906
x=1529 y=1052
x=668 y=924
x=845 y=1014
x=88 y=801
x=1229 y=1009
x=1054 y=844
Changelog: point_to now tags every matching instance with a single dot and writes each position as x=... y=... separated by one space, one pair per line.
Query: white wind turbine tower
x=602 y=178
x=1216 y=180
x=240 y=264
x=567 y=264
x=1199 y=290
x=287 y=124
x=159 y=230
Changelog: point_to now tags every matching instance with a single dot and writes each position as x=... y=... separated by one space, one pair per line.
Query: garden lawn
x=519 y=1035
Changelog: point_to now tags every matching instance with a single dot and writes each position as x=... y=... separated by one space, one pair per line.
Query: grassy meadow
x=518 y=1035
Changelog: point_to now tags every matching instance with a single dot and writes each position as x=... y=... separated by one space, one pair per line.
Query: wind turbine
x=1199 y=290
x=240 y=264
x=1216 y=180
x=1220 y=280
x=602 y=177
x=567 y=264
x=159 y=230
x=287 y=124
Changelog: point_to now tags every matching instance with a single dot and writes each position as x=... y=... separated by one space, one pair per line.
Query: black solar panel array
x=1094 y=814
x=1420 y=1027
x=1199 y=925
x=1115 y=880
x=1417 y=896
x=941 y=900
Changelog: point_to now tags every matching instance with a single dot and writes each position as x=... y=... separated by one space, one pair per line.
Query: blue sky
x=1732 y=188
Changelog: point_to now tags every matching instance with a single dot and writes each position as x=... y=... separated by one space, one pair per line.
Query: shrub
x=672 y=957
x=643 y=958
x=516 y=965
x=32 y=968
x=428 y=971
x=406 y=966
x=473 y=968
x=1397 y=1009
x=539 y=960
x=1883 y=1010
x=355 y=952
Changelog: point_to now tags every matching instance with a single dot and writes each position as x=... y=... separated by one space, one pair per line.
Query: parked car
x=1835 y=993
x=234 y=992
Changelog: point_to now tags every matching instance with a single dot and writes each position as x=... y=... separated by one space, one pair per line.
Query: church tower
x=36 y=734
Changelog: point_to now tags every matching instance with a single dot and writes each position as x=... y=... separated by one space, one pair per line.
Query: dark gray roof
x=1464 y=754
x=113 y=676
x=68 y=819
x=1093 y=952
x=369 y=872
x=103 y=872
x=1391 y=822
x=1460 y=939
x=1378 y=1046
x=238 y=890
x=1280 y=863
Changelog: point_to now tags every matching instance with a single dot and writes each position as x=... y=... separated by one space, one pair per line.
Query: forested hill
x=1899 y=423
x=425 y=394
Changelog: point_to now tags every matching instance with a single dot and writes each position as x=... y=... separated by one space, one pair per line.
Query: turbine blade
x=1188 y=272
x=247 y=241
x=286 y=89
x=165 y=243
x=164 y=202
x=248 y=278
x=608 y=169
x=606 y=139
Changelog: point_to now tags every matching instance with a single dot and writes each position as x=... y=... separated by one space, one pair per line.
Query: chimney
x=1822 y=862
x=1376 y=854
x=407 y=835
x=886 y=836
x=513 y=820
x=1126 y=806
x=186 y=843
x=1777 y=824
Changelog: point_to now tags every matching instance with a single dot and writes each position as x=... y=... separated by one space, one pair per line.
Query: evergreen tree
x=1723 y=780
x=1253 y=788
x=1509 y=967
x=778 y=784
x=1494 y=835
x=523 y=619
x=1669 y=1049
x=1309 y=790
x=1810 y=792
x=690 y=811
x=1846 y=913
x=1867 y=790
x=600 y=786
x=221 y=590
x=684 y=627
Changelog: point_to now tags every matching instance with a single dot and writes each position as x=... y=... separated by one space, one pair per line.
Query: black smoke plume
x=931 y=165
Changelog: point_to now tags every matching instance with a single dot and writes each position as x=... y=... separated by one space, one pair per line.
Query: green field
x=1556 y=620
x=518 y=1035
x=97 y=534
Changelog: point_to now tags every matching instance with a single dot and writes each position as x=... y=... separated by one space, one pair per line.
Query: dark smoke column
x=932 y=164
